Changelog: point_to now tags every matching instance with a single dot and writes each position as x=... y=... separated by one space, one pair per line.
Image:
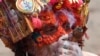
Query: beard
x=59 y=48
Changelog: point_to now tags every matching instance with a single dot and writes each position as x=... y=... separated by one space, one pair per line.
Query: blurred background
x=91 y=45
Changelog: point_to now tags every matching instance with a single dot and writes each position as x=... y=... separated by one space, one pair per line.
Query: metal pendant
x=25 y=6
x=30 y=6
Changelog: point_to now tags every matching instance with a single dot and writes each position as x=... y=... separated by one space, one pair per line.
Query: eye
x=66 y=25
x=49 y=29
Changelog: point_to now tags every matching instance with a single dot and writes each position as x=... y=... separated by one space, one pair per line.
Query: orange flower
x=62 y=18
x=52 y=37
x=39 y=39
x=47 y=17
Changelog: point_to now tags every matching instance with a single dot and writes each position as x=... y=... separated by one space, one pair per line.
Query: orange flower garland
x=47 y=17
